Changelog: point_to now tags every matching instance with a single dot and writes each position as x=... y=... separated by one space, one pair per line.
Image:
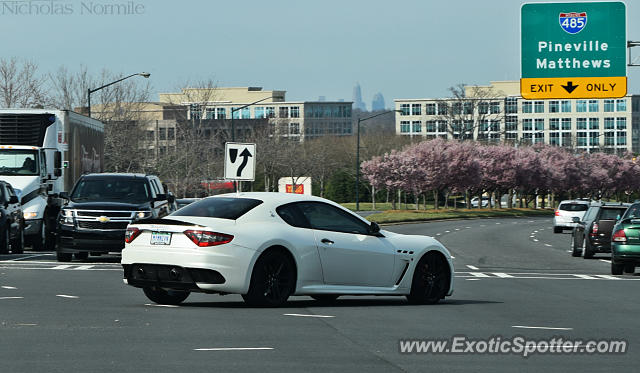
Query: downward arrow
x=245 y=158
x=570 y=87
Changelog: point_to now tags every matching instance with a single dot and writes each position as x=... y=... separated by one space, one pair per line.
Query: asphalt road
x=510 y=273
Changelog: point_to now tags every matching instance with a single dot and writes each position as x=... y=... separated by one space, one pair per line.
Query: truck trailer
x=42 y=153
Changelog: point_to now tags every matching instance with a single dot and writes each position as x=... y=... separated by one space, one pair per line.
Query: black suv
x=11 y=220
x=100 y=207
x=592 y=234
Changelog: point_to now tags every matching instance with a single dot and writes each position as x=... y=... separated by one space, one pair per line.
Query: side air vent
x=24 y=129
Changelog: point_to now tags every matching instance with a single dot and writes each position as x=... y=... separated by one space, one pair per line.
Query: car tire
x=38 y=241
x=586 y=253
x=64 y=257
x=616 y=269
x=557 y=229
x=5 y=244
x=629 y=268
x=325 y=298
x=83 y=255
x=574 y=249
x=273 y=280
x=17 y=246
x=430 y=280
x=161 y=296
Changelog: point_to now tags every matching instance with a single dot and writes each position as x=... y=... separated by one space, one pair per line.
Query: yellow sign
x=567 y=88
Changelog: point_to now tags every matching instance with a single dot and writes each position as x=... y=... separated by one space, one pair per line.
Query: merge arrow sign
x=570 y=87
x=245 y=155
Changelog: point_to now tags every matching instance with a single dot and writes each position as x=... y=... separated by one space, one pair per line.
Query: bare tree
x=20 y=84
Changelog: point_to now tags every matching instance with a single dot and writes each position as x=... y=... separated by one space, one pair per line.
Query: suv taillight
x=131 y=234
x=619 y=236
x=207 y=238
x=557 y=212
x=594 y=230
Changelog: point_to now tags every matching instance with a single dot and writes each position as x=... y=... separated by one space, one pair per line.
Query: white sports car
x=268 y=246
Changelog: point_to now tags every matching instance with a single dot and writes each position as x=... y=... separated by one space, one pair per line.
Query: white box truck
x=42 y=153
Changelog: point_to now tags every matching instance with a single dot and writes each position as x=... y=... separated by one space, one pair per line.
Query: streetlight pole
x=90 y=91
x=358 y=152
x=233 y=128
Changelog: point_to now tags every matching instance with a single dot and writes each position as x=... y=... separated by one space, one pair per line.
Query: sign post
x=573 y=50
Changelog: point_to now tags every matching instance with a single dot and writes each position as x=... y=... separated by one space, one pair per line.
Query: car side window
x=591 y=213
x=329 y=218
x=633 y=212
x=293 y=216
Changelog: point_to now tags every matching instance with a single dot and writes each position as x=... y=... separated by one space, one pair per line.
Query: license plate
x=160 y=238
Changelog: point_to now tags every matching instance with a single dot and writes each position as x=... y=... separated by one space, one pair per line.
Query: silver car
x=566 y=211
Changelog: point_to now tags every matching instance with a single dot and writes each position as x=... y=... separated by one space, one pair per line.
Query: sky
x=403 y=49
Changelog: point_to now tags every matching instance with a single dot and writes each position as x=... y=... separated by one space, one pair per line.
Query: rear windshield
x=573 y=207
x=219 y=207
x=611 y=213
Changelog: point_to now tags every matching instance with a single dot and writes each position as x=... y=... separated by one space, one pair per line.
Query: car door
x=584 y=224
x=349 y=254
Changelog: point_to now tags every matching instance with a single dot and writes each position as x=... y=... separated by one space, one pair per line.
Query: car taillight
x=207 y=238
x=594 y=229
x=557 y=212
x=619 y=236
x=131 y=234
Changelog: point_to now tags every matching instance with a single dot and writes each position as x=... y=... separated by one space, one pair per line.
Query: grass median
x=399 y=216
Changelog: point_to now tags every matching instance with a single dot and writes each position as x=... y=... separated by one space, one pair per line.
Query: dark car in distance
x=11 y=220
x=592 y=233
x=98 y=210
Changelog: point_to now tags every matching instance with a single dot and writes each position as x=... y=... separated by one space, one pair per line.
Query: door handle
x=327 y=241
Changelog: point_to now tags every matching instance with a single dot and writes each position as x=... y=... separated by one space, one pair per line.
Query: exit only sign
x=573 y=50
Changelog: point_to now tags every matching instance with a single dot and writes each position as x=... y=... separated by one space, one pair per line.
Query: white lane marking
x=547 y=245
x=502 y=275
x=437 y=234
x=84 y=267
x=26 y=257
x=447 y=231
x=11 y=297
x=24 y=324
x=498 y=223
x=609 y=277
x=586 y=277
x=161 y=305
x=539 y=327
x=482 y=225
x=63 y=266
x=303 y=315
x=468 y=227
x=9 y=287
x=569 y=251
x=473 y=267
x=457 y=229
x=603 y=260
x=473 y=279
x=478 y=274
x=67 y=296
x=531 y=221
x=535 y=240
x=535 y=231
x=233 y=349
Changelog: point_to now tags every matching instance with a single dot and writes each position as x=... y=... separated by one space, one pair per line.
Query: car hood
x=123 y=206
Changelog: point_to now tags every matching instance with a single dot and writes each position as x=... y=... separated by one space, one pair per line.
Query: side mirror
x=64 y=195
x=171 y=198
x=14 y=200
x=374 y=228
x=575 y=219
x=57 y=172
x=160 y=197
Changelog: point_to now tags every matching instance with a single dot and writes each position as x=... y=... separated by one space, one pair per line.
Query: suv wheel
x=17 y=246
x=586 y=253
x=63 y=257
x=574 y=250
x=4 y=241
x=161 y=296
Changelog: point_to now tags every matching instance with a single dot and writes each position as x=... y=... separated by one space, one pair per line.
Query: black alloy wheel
x=272 y=281
x=430 y=280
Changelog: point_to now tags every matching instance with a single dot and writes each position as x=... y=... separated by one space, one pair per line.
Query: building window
x=566 y=106
x=554 y=106
x=431 y=126
x=593 y=106
x=527 y=125
x=442 y=126
x=271 y=111
x=283 y=112
x=539 y=106
x=196 y=112
x=621 y=105
x=581 y=138
x=511 y=105
x=621 y=123
x=554 y=124
x=554 y=138
x=171 y=133
x=468 y=108
x=566 y=124
x=609 y=123
x=417 y=126
x=258 y=112
x=581 y=123
x=527 y=107
x=594 y=140
x=443 y=108
x=609 y=138
x=416 y=109
x=483 y=108
x=608 y=106
x=210 y=113
x=151 y=135
x=221 y=112
x=294 y=128
x=405 y=126
x=235 y=113
x=511 y=123
x=539 y=124
x=494 y=108
x=594 y=123
x=456 y=108
x=621 y=138
x=295 y=111
x=405 y=109
x=495 y=125
x=430 y=109
x=162 y=134
x=484 y=125
x=581 y=106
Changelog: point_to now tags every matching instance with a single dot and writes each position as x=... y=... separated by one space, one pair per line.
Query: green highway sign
x=585 y=41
